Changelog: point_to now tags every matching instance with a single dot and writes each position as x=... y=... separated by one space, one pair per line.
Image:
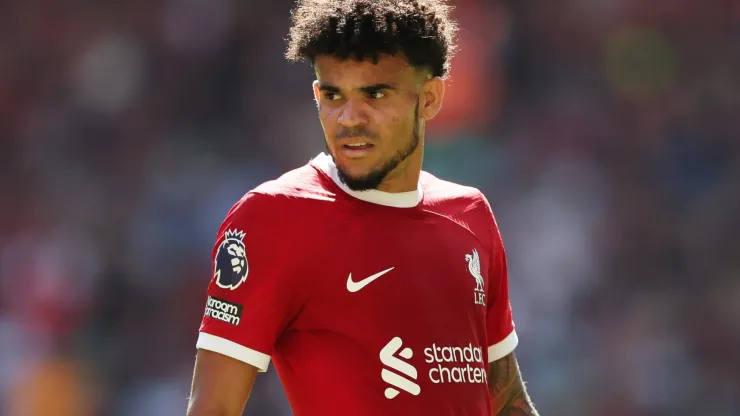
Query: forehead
x=350 y=72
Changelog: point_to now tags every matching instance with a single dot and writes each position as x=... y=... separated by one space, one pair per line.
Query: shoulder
x=285 y=193
x=303 y=183
x=439 y=192
x=466 y=205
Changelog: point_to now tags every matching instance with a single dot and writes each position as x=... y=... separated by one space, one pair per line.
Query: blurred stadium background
x=606 y=134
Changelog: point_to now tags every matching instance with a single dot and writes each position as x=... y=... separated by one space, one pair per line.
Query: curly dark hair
x=420 y=29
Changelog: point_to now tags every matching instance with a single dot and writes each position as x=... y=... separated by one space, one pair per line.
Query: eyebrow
x=366 y=89
x=328 y=88
x=376 y=87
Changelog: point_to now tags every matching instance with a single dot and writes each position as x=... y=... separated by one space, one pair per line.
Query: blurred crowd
x=606 y=135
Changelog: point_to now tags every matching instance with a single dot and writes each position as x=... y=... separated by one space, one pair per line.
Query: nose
x=352 y=114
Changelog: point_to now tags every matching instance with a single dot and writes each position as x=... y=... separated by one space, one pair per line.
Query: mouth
x=356 y=148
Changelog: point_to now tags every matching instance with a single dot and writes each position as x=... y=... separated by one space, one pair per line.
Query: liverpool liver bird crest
x=474 y=268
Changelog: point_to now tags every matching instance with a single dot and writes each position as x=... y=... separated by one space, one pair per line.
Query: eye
x=332 y=96
x=376 y=94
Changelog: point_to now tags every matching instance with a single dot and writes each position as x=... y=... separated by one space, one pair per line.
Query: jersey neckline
x=409 y=199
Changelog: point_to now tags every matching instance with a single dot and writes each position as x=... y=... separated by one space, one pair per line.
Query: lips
x=358 y=146
x=356 y=143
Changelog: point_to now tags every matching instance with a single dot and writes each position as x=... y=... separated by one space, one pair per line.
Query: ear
x=431 y=95
x=316 y=92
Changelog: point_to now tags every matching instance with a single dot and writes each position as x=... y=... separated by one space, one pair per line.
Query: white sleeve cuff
x=232 y=349
x=503 y=348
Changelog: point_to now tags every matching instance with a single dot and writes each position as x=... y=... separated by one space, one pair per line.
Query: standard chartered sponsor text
x=222 y=311
x=454 y=364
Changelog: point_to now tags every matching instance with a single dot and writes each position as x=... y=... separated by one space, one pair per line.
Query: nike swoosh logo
x=353 y=286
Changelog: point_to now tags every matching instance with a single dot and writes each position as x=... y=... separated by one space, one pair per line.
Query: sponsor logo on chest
x=446 y=365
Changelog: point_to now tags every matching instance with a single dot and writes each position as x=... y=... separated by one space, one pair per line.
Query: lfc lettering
x=479 y=298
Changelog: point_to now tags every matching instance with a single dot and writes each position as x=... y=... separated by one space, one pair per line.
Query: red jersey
x=368 y=303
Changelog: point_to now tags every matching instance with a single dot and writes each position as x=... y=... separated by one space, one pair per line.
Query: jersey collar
x=397 y=200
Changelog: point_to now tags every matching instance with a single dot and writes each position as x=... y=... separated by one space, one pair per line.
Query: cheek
x=328 y=121
x=398 y=127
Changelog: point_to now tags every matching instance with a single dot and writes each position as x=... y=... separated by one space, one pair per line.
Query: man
x=373 y=287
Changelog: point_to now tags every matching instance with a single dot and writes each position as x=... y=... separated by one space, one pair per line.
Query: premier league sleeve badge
x=231 y=266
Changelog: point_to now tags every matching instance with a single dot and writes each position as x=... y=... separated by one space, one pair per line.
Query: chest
x=422 y=272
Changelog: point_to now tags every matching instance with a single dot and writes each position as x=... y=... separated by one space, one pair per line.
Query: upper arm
x=252 y=297
x=221 y=385
x=502 y=338
x=508 y=394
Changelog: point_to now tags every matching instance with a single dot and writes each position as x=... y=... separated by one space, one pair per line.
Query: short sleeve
x=502 y=338
x=252 y=295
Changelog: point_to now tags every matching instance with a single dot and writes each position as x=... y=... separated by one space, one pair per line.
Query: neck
x=405 y=177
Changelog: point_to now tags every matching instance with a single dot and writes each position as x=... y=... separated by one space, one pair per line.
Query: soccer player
x=373 y=287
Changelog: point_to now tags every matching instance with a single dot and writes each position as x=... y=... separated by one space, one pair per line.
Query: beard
x=374 y=178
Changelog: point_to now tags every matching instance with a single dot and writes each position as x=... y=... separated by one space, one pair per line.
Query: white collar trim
x=397 y=200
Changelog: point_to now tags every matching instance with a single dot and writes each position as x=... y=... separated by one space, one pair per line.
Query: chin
x=359 y=174
x=356 y=167
x=352 y=169
x=363 y=180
